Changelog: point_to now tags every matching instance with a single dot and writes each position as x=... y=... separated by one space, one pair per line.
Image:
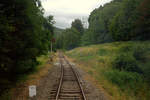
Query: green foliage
x=102 y=52
x=77 y=24
x=126 y=62
x=146 y=70
x=119 y=20
x=71 y=37
x=131 y=22
x=125 y=80
x=119 y=28
x=99 y=21
x=142 y=22
x=6 y=96
x=140 y=52
x=120 y=67
x=57 y=32
x=25 y=34
x=86 y=39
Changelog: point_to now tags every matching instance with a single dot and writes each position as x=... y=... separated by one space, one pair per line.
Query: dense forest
x=119 y=20
x=25 y=34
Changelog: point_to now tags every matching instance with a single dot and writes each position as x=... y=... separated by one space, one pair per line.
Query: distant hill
x=57 y=31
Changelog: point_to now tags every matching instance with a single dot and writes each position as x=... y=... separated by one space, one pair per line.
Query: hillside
x=121 y=68
x=57 y=31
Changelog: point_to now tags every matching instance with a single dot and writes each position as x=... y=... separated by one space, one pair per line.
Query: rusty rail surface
x=61 y=80
x=61 y=93
x=78 y=80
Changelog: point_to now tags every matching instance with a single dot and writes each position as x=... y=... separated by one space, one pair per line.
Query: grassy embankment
x=121 y=68
x=20 y=90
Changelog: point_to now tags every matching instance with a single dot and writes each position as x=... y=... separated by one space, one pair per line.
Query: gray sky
x=65 y=11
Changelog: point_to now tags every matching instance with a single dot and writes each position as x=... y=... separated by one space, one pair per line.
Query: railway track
x=69 y=86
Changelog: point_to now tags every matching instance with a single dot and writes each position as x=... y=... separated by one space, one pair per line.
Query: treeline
x=119 y=20
x=71 y=37
x=25 y=34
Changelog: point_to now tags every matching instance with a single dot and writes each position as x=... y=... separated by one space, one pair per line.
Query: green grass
x=125 y=80
x=122 y=68
x=42 y=60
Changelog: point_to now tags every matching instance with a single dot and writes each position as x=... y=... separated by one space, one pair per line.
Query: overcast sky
x=65 y=11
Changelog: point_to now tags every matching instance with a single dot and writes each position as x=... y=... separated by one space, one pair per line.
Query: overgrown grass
x=42 y=60
x=125 y=80
x=122 y=68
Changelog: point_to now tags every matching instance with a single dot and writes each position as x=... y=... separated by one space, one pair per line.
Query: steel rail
x=61 y=80
x=78 y=80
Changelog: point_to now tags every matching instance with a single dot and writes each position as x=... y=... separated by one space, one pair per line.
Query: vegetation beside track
x=122 y=68
x=21 y=87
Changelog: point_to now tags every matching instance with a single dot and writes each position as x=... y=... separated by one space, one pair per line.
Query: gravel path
x=50 y=81
x=47 y=83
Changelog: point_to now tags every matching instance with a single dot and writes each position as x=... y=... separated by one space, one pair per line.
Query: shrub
x=6 y=95
x=146 y=71
x=139 y=52
x=124 y=79
x=125 y=61
x=26 y=66
x=126 y=48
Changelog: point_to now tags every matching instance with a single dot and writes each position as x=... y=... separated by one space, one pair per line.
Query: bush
x=139 y=52
x=26 y=66
x=126 y=48
x=6 y=95
x=146 y=71
x=124 y=79
x=125 y=61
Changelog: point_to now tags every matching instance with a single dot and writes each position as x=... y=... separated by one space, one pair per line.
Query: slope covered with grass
x=121 y=68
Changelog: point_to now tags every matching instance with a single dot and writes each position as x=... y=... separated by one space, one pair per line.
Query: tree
x=23 y=37
x=71 y=38
x=123 y=23
x=99 y=20
x=142 y=23
x=77 y=24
